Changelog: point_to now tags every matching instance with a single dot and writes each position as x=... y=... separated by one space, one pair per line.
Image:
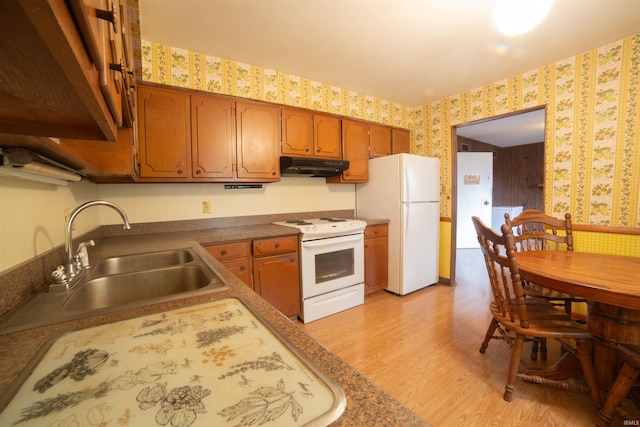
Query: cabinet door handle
x=243 y=268
x=110 y=16
x=179 y=171
x=224 y=252
x=198 y=171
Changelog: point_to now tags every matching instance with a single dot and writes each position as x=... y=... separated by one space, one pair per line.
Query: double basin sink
x=118 y=282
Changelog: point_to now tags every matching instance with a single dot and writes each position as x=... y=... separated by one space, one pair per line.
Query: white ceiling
x=517 y=129
x=410 y=52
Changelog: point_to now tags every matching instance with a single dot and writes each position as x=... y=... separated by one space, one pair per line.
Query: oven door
x=331 y=264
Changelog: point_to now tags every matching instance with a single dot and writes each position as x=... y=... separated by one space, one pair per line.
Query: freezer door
x=419 y=244
x=420 y=178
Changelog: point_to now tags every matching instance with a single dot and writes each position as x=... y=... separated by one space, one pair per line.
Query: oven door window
x=334 y=265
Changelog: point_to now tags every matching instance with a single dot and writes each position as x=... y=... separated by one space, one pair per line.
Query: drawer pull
x=223 y=252
x=277 y=245
x=243 y=268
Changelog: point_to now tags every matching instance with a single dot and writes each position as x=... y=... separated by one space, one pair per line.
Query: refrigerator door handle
x=405 y=184
x=406 y=221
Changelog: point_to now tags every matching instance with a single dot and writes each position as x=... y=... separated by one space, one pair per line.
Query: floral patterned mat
x=209 y=364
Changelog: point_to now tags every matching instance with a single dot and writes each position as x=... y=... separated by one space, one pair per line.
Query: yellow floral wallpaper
x=592 y=131
x=180 y=67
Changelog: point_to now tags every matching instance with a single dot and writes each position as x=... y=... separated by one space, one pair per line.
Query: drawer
x=229 y=250
x=275 y=246
x=373 y=231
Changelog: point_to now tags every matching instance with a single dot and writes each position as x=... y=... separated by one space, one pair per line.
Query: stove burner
x=298 y=222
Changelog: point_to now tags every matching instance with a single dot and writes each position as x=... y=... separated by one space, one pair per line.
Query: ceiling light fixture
x=513 y=17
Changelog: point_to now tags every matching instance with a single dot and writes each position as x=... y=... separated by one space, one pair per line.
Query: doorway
x=475 y=190
x=517 y=141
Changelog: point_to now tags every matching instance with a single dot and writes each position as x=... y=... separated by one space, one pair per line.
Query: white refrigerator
x=405 y=189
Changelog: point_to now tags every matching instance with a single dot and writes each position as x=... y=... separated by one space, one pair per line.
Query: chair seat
x=545 y=323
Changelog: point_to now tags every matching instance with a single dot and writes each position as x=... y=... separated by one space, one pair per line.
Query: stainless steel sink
x=122 y=289
x=119 y=282
x=141 y=262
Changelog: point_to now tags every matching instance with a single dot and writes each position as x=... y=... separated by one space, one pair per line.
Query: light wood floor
x=423 y=350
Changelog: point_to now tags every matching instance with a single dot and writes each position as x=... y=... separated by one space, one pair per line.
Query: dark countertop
x=367 y=404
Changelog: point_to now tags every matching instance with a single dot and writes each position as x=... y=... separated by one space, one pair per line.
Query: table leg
x=567 y=366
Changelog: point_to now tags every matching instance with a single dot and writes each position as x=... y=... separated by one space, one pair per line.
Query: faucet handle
x=82 y=254
x=59 y=275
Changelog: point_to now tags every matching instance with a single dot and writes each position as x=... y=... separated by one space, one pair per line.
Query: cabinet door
x=164 y=138
x=326 y=136
x=400 y=141
x=212 y=137
x=376 y=258
x=258 y=137
x=355 y=148
x=104 y=43
x=297 y=132
x=276 y=279
x=241 y=268
x=236 y=257
x=379 y=141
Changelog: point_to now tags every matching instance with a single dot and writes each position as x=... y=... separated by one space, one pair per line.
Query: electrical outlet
x=67 y=214
x=206 y=206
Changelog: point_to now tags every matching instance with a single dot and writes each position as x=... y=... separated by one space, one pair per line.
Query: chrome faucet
x=76 y=265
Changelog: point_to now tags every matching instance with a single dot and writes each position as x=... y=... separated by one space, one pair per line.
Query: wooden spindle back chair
x=525 y=317
x=534 y=230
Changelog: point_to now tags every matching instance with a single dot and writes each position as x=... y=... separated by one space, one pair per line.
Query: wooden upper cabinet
x=400 y=141
x=305 y=134
x=213 y=138
x=355 y=148
x=164 y=133
x=326 y=136
x=51 y=87
x=379 y=141
x=257 y=142
x=297 y=132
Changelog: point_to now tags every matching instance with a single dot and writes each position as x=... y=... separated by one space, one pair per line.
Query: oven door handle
x=332 y=241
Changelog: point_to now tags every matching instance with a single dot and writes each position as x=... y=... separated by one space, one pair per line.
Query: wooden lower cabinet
x=376 y=258
x=276 y=273
x=236 y=257
x=276 y=279
x=268 y=266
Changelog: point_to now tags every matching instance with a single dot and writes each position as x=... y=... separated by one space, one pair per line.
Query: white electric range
x=332 y=265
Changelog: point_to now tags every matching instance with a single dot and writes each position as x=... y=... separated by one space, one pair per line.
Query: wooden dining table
x=611 y=286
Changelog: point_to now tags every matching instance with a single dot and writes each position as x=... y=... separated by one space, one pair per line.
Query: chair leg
x=584 y=355
x=514 y=365
x=625 y=379
x=487 y=337
x=534 y=349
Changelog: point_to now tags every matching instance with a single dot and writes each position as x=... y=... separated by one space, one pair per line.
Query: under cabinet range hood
x=300 y=166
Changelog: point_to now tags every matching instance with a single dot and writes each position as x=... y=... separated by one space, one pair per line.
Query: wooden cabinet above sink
x=49 y=84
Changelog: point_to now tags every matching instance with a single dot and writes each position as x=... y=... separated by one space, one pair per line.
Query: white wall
x=32 y=215
x=166 y=202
